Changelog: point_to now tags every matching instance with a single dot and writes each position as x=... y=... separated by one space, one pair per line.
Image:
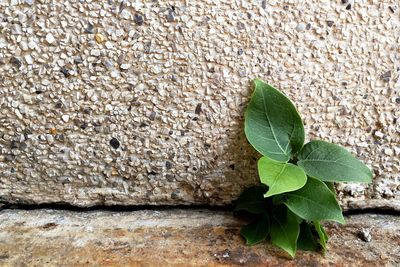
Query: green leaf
x=332 y=163
x=257 y=231
x=280 y=177
x=285 y=231
x=272 y=124
x=314 y=202
x=331 y=186
x=306 y=240
x=252 y=200
x=323 y=236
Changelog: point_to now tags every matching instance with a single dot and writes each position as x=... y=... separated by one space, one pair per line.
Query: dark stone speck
x=23 y=146
x=9 y=158
x=308 y=26
x=386 y=76
x=14 y=145
x=16 y=62
x=152 y=115
x=170 y=177
x=329 y=23
x=84 y=126
x=89 y=28
x=65 y=71
x=114 y=143
x=398 y=100
x=147 y=47
x=138 y=19
x=59 y=137
x=198 y=109
x=264 y=4
x=78 y=60
x=240 y=25
x=58 y=105
x=348 y=7
x=175 y=195
x=170 y=15
x=168 y=165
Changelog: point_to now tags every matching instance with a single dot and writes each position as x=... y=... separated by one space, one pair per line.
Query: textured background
x=141 y=102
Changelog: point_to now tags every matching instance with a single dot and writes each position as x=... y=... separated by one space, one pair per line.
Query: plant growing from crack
x=297 y=191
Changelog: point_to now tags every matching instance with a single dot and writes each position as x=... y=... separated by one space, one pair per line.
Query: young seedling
x=297 y=191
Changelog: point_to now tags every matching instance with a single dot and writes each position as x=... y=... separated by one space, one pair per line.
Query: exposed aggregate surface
x=142 y=102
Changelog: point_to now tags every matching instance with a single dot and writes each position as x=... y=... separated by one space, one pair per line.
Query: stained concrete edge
x=177 y=237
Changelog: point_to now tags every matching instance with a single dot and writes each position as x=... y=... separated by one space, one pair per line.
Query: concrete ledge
x=176 y=238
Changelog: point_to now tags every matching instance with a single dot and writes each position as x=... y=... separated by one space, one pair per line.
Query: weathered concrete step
x=176 y=238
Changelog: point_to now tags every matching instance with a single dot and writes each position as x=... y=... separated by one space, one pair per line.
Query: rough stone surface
x=178 y=238
x=169 y=80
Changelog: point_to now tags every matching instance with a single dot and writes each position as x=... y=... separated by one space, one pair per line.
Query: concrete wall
x=141 y=102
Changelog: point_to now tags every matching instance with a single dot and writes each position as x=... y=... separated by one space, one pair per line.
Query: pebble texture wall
x=142 y=102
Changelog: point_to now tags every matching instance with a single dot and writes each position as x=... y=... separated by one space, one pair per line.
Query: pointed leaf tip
x=272 y=124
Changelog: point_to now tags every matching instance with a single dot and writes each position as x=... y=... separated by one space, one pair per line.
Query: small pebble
x=329 y=23
x=170 y=15
x=50 y=38
x=89 y=28
x=65 y=118
x=138 y=19
x=16 y=62
x=168 y=165
x=125 y=66
x=28 y=59
x=99 y=38
x=365 y=235
x=114 y=143
x=379 y=134
x=78 y=60
x=125 y=14
x=32 y=45
x=198 y=109
x=386 y=76
x=16 y=29
x=152 y=115
x=95 y=52
x=300 y=27
x=66 y=72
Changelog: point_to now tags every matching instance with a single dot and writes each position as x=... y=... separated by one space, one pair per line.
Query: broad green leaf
x=314 y=202
x=332 y=163
x=306 y=240
x=331 y=186
x=323 y=236
x=252 y=200
x=272 y=124
x=285 y=231
x=257 y=231
x=280 y=177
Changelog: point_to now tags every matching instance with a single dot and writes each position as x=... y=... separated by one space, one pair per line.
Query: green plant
x=297 y=190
